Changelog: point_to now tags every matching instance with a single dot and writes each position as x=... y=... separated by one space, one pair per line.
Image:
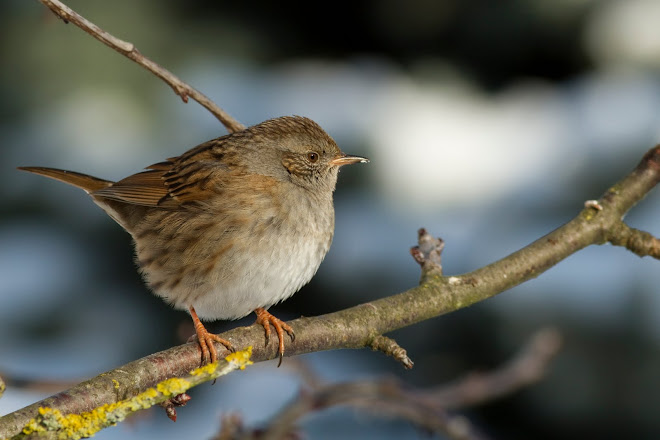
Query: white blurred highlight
x=454 y=145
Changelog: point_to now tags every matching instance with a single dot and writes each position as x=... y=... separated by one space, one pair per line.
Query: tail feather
x=83 y=181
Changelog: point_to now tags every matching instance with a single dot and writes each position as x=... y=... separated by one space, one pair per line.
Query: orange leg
x=266 y=320
x=206 y=340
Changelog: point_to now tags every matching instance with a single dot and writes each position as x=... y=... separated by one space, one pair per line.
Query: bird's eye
x=313 y=157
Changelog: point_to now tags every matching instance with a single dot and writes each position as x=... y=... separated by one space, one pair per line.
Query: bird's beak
x=345 y=159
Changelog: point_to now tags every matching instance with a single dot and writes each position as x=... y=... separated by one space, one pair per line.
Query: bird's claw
x=266 y=320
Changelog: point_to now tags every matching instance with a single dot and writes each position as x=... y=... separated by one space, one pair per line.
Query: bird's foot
x=206 y=340
x=266 y=320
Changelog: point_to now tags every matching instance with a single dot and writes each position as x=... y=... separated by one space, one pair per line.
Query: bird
x=231 y=226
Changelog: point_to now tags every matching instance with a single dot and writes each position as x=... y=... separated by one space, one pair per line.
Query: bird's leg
x=206 y=339
x=266 y=320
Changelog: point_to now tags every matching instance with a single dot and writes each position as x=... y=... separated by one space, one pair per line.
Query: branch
x=51 y=423
x=357 y=327
x=638 y=242
x=391 y=348
x=425 y=408
x=380 y=397
x=526 y=368
x=128 y=50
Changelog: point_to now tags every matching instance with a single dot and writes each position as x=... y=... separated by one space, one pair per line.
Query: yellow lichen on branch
x=75 y=426
x=240 y=359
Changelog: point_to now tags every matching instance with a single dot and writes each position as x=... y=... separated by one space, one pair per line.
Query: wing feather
x=181 y=180
x=146 y=188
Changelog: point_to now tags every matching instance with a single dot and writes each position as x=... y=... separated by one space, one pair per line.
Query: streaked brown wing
x=169 y=184
x=146 y=188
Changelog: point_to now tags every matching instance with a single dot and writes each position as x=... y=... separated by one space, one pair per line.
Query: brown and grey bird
x=234 y=225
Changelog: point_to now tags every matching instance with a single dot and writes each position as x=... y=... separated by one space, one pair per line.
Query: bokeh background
x=488 y=123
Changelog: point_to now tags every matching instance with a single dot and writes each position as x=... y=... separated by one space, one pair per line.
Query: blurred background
x=488 y=123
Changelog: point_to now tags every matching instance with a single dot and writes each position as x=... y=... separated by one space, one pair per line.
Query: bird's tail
x=82 y=181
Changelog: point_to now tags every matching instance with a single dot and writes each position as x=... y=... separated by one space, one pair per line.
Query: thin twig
x=428 y=253
x=128 y=50
x=527 y=367
x=425 y=408
x=638 y=242
x=390 y=347
x=381 y=397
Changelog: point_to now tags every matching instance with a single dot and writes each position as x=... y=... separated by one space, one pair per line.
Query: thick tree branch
x=128 y=50
x=357 y=327
x=50 y=423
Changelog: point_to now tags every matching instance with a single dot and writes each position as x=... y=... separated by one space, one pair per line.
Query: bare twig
x=426 y=408
x=128 y=50
x=355 y=327
x=381 y=397
x=391 y=348
x=527 y=367
x=638 y=242
x=428 y=253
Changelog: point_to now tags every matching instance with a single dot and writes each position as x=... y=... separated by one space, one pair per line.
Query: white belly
x=266 y=278
x=258 y=270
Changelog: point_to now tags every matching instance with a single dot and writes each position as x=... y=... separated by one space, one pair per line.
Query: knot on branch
x=390 y=347
x=428 y=252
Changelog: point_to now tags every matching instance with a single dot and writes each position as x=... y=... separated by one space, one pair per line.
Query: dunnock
x=232 y=226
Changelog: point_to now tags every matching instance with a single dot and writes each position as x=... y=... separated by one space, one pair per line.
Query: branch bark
x=130 y=51
x=358 y=326
x=52 y=424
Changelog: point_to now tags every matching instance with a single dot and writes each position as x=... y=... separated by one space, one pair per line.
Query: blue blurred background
x=487 y=123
